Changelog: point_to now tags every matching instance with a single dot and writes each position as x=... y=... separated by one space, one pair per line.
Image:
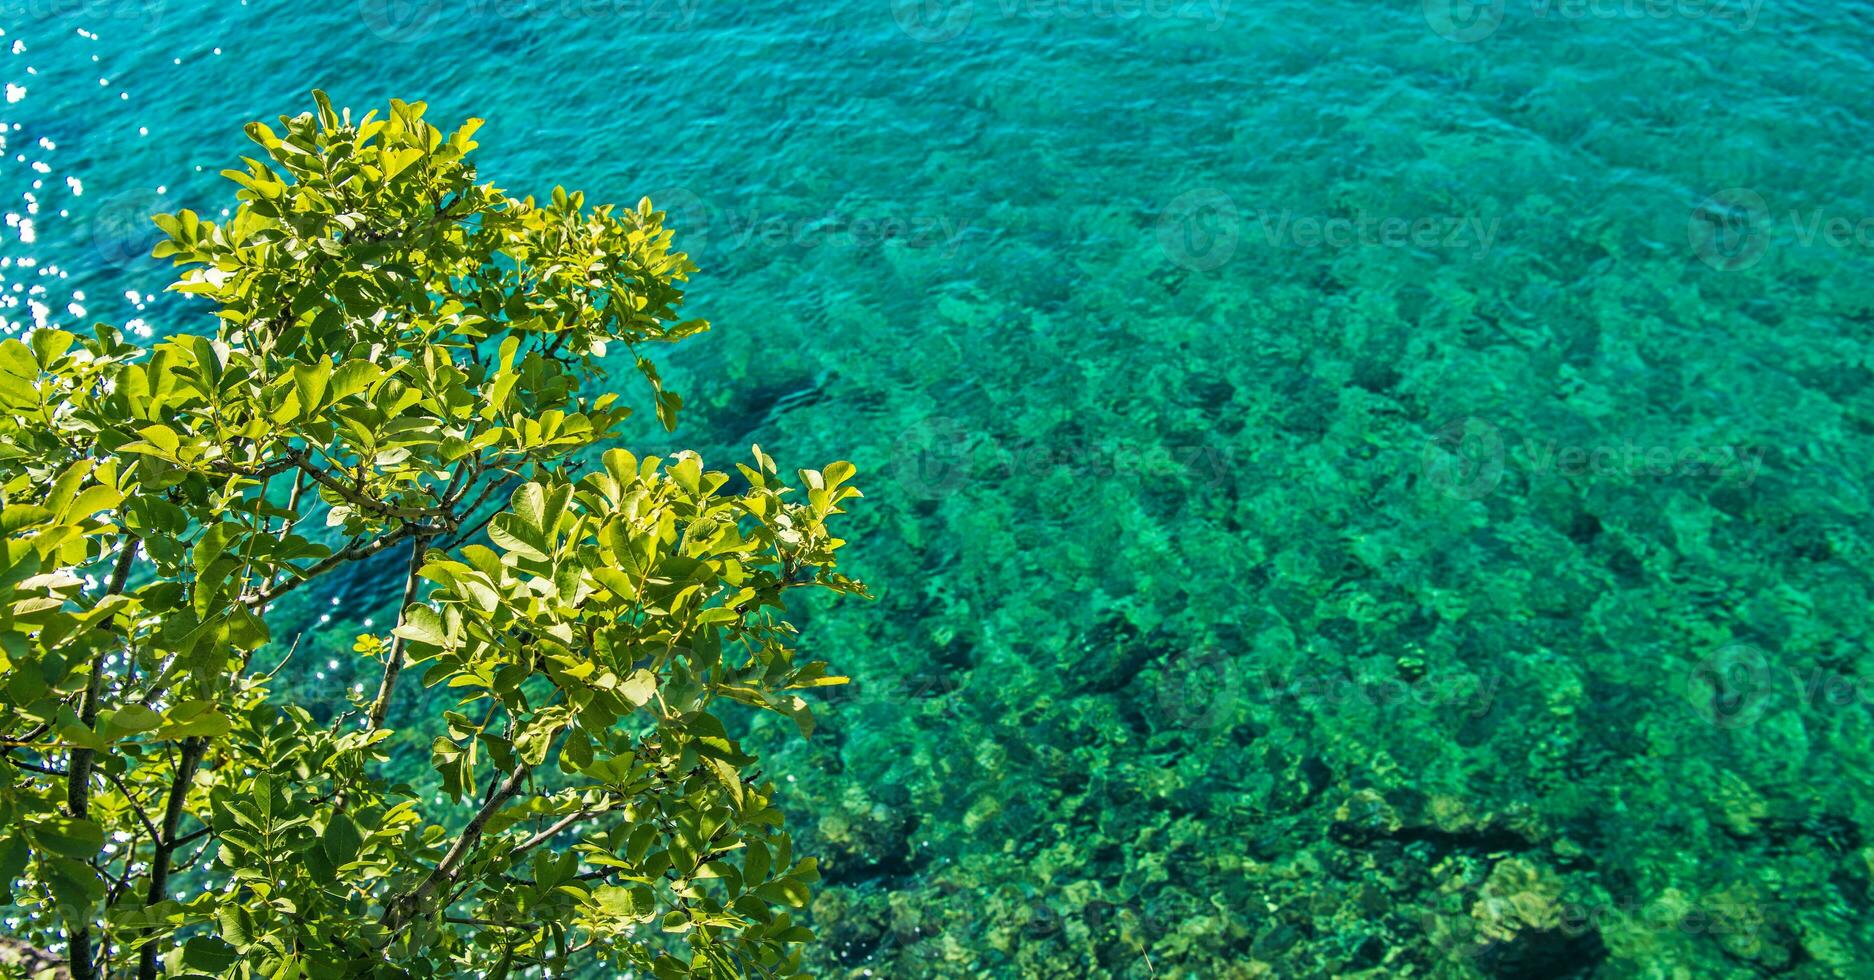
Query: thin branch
x=192 y=751
x=554 y=831
x=404 y=908
x=78 y=776
x=365 y=500
x=148 y=827
x=347 y=554
x=393 y=664
x=192 y=835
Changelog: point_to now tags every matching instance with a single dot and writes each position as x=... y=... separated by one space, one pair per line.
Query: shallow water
x=1350 y=487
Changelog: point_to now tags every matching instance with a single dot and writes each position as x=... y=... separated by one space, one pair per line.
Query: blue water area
x=1352 y=489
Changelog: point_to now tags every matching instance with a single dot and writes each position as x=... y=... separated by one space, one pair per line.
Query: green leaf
x=311 y=381
x=514 y=534
x=193 y=719
x=235 y=926
x=67 y=837
x=133 y=718
x=421 y=624
x=633 y=903
x=342 y=841
x=208 y=954
x=530 y=505
x=351 y=378
x=638 y=688
x=162 y=438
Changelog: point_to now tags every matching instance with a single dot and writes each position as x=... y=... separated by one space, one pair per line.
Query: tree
x=404 y=364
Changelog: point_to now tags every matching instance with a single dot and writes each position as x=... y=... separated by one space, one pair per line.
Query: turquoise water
x=1353 y=489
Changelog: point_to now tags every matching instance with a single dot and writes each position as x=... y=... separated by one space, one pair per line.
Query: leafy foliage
x=403 y=359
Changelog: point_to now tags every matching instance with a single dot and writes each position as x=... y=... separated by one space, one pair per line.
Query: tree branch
x=31 y=960
x=340 y=557
x=166 y=843
x=553 y=831
x=365 y=500
x=78 y=771
x=404 y=908
x=393 y=664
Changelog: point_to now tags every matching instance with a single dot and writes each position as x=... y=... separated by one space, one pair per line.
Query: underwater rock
x=863 y=838
x=1522 y=919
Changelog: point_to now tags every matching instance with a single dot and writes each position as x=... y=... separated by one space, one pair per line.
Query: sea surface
x=1353 y=489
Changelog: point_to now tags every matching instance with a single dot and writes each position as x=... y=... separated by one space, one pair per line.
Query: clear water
x=1352 y=487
